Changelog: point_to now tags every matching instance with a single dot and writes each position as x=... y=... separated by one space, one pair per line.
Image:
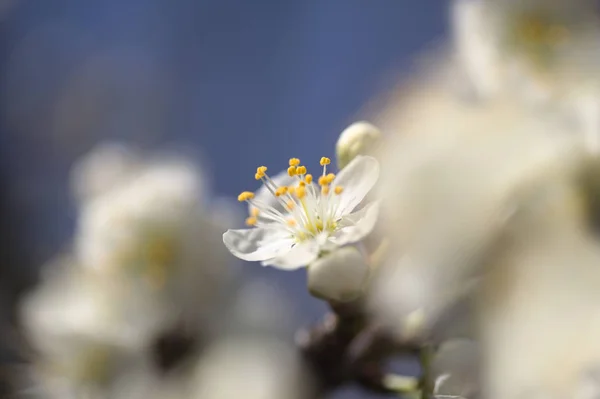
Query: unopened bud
x=357 y=139
x=339 y=276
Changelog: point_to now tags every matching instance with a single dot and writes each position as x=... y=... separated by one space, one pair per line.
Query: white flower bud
x=357 y=139
x=339 y=276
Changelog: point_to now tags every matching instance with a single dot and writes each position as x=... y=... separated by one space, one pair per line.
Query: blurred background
x=235 y=83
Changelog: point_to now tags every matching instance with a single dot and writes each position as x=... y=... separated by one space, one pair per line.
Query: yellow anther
x=338 y=190
x=302 y=184
x=260 y=172
x=325 y=161
x=300 y=191
x=292 y=171
x=254 y=212
x=251 y=221
x=330 y=178
x=245 y=196
x=294 y=162
x=291 y=222
x=319 y=225
x=323 y=181
x=281 y=191
x=325 y=189
x=308 y=178
x=301 y=170
x=291 y=190
x=290 y=205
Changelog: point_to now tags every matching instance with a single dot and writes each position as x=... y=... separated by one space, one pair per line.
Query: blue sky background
x=237 y=82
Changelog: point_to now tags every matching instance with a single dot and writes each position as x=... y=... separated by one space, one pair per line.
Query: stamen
x=260 y=172
x=251 y=221
x=338 y=190
x=281 y=191
x=301 y=170
x=291 y=222
x=325 y=189
x=324 y=162
x=323 y=181
x=290 y=205
x=245 y=196
x=302 y=183
x=300 y=192
x=330 y=178
x=294 y=162
x=254 y=212
x=319 y=225
x=292 y=171
x=308 y=178
x=291 y=190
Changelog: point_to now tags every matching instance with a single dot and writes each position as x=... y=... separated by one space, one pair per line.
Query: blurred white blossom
x=106 y=166
x=296 y=219
x=543 y=53
x=249 y=368
x=158 y=230
x=535 y=48
x=88 y=335
x=491 y=212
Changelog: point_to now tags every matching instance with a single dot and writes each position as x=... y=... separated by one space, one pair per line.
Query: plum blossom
x=295 y=219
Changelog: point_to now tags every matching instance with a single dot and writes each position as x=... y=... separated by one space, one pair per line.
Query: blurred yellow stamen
x=325 y=161
x=301 y=170
x=325 y=189
x=302 y=184
x=323 y=181
x=291 y=190
x=300 y=192
x=251 y=221
x=281 y=191
x=254 y=212
x=292 y=171
x=330 y=178
x=294 y=162
x=308 y=178
x=245 y=196
x=291 y=222
x=290 y=205
x=338 y=190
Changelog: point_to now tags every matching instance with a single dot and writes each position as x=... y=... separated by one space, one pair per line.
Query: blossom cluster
x=127 y=310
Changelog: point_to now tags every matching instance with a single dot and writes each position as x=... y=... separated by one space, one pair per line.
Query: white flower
x=296 y=219
x=88 y=333
x=158 y=232
x=253 y=368
x=106 y=166
x=533 y=48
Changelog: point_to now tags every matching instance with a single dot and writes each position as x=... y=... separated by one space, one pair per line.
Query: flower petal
x=264 y=196
x=300 y=255
x=257 y=244
x=357 y=225
x=357 y=179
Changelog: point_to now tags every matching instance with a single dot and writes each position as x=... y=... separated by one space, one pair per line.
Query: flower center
x=305 y=209
x=539 y=36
